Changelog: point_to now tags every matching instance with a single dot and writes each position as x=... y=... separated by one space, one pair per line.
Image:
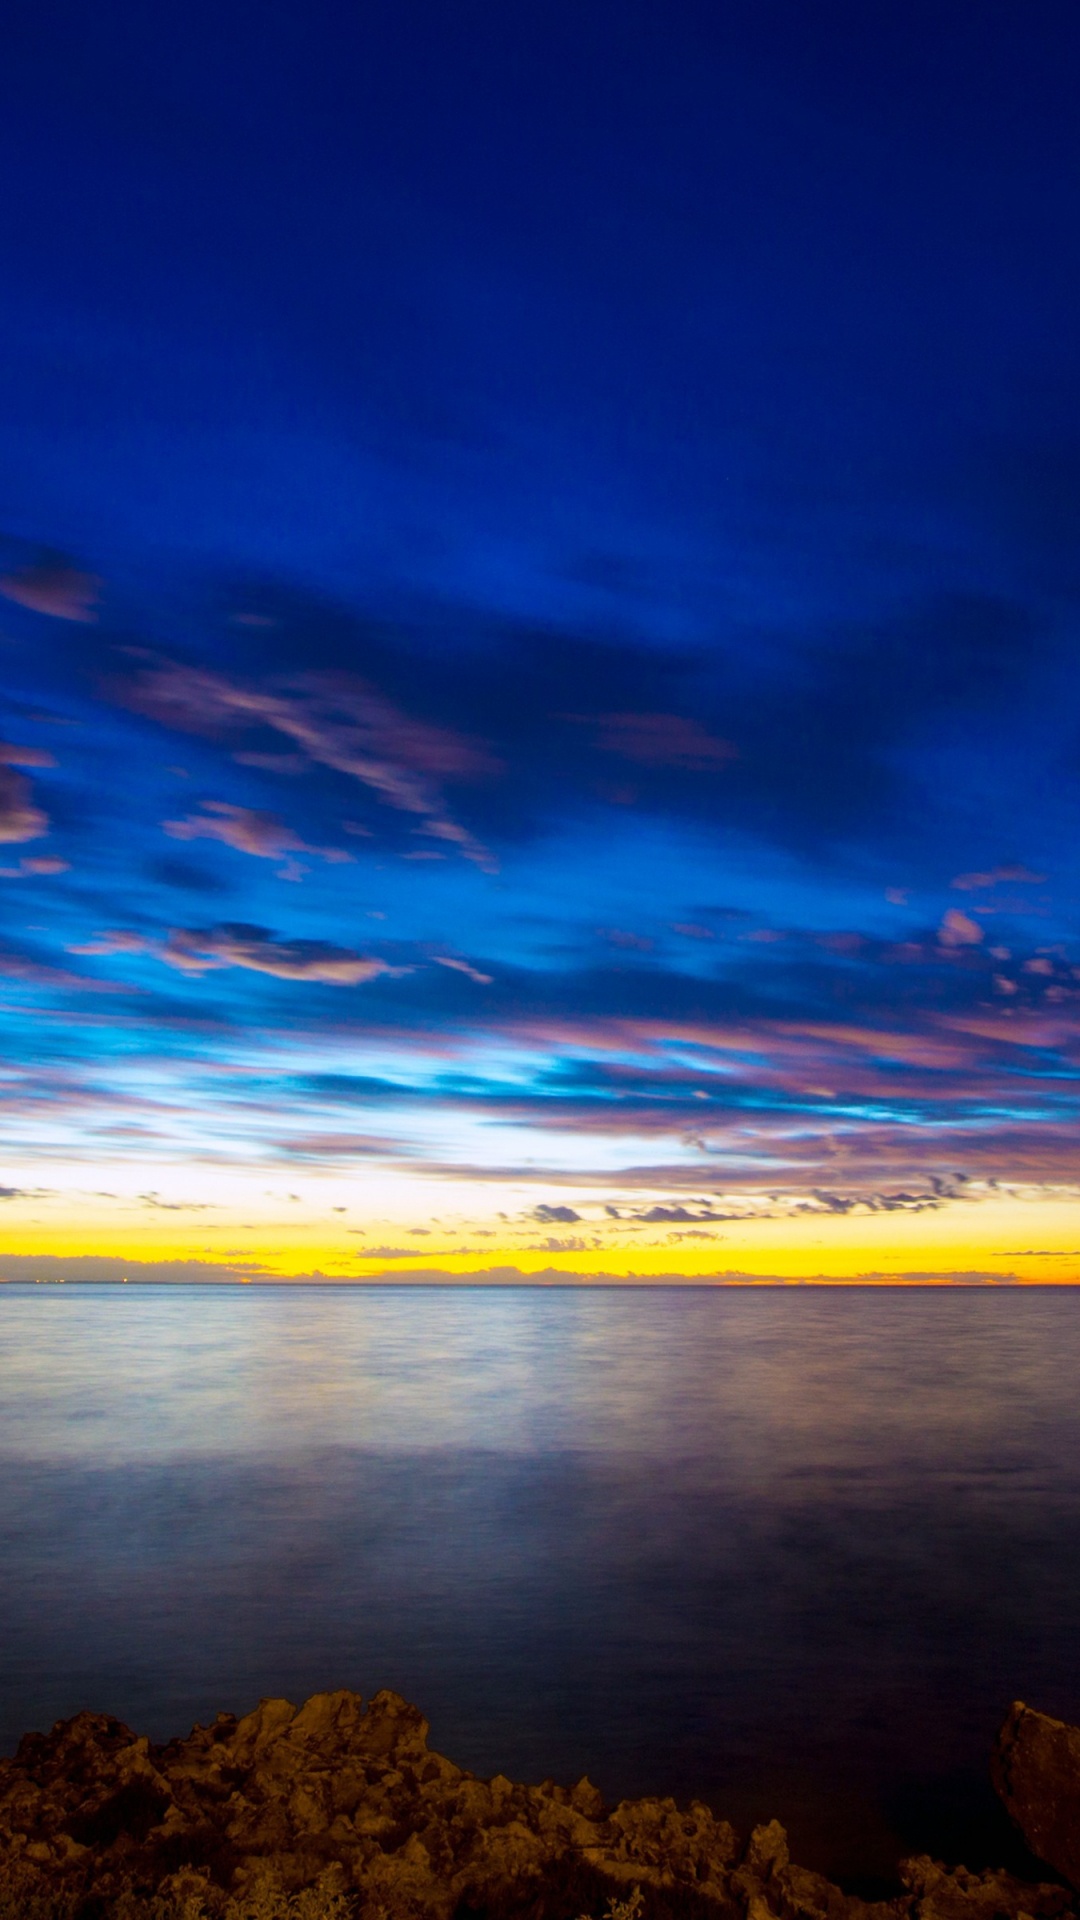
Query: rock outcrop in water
x=1036 y=1770
x=334 y=1810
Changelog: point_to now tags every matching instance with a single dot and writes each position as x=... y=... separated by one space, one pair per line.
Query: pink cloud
x=957 y=930
x=329 y=1146
x=194 y=951
x=15 y=966
x=13 y=756
x=20 y=819
x=207 y=950
x=332 y=720
x=116 y=940
x=28 y=868
x=462 y=966
x=62 y=592
x=663 y=740
x=249 y=831
x=1019 y=876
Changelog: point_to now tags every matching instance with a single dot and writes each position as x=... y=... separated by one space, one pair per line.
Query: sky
x=539 y=595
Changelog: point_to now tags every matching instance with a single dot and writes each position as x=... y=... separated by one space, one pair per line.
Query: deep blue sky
x=630 y=452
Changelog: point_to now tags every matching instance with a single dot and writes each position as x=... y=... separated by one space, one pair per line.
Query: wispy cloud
x=333 y=720
x=199 y=950
x=463 y=966
x=30 y=868
x=194 y=950
x=61 y=591
x=20 y=819
x=662 y=740
x=998 y=876
x=247 y=830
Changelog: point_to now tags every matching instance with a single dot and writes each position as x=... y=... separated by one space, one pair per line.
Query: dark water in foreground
x=793 y=1553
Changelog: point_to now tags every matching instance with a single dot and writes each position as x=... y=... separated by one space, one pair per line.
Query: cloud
x=94 y=1269
x=554 y=1216
x=249 y=831
x=13 y=756
x=342 y=1146
x=396 y=1253
x=678 y=1215
x=663 y=740
x=20 y=819
x=462 y=966
x=995 y=876
x=333 y=720
x=194 y=950
x=153 y=1199
x=63 y=592
x=116 y=940
x=28 y=869
x=957 y=930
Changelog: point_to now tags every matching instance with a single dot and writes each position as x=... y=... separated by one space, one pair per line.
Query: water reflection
x=794 y=1553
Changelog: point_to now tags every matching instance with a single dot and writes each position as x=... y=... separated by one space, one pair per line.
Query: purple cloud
x=248 y=830
x=663 y=740
x=20 y=819
x=62 y=592
x=332 y=720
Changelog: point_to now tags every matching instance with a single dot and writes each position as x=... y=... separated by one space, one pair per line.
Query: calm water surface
x=790 y=1552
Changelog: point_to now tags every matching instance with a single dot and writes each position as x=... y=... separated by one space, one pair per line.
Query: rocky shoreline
x=339 y=1810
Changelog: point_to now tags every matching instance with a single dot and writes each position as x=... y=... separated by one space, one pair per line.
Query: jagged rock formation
x=332 y=1810
x=1036 y=1770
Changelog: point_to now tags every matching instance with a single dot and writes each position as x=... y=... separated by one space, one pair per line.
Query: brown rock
x=767 y=1851
x=942 y=1893
x=1036 y=1770
x=337 y=1811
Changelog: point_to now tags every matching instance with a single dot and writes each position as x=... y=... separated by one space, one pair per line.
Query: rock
x=340 y=1811
x=956 y=1894
x=1036 y=1770
x=767 y=1851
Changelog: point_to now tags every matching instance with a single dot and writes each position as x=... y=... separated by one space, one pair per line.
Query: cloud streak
x=20 y=818
x=248 y=830
x=198 y=950
x=60 y=591
x=333 y=720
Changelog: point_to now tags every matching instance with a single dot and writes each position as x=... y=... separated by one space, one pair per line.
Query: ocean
x=791 y=1552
